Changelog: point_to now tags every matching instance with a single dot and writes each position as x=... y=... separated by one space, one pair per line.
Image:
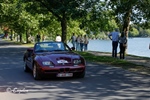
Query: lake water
x=136 y=46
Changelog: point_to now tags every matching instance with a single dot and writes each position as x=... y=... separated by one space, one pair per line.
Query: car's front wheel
x=82 y=75
x=36 y=74
x=26 y=68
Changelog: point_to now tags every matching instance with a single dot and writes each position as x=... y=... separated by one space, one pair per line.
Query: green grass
x=28 y=44
x=19 y=43
x=116 y=62
x=104 y=59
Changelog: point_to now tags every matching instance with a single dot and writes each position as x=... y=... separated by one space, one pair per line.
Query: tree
x=126 y=11
x=63 y=10
x=8 y=15
x=98 y=18
x=134 y=32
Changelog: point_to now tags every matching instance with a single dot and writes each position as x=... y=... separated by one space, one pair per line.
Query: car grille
x=65 y=70
x=70 y=70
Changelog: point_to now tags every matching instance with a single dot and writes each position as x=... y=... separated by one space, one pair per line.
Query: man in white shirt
x=114 y=36
x=58 y=38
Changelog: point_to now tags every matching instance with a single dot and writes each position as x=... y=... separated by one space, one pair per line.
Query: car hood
x=55 y=57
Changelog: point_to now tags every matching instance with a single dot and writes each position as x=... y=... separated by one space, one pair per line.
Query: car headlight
x=77 y=61
x=47 y=63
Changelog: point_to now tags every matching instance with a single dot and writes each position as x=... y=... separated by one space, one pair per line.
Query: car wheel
x=82 y=75
x=36 y=75
x=26 y=68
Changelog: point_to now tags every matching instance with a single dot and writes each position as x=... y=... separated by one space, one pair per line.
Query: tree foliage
x=63 y=10
x=51 y=17
x=126 y=11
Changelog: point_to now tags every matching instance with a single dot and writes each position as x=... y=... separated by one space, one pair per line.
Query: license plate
x=64 y=74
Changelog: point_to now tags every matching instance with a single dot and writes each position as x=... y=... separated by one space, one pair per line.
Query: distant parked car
x=53 y=59
x=2 y=35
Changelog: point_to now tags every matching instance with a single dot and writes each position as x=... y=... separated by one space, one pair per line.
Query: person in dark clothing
x=38 y=37
x=123 y=44
x=81 y=43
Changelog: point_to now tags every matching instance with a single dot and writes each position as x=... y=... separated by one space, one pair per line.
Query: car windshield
x=50 y=46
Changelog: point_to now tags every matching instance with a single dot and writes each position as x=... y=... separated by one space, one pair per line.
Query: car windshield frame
x=50 y=47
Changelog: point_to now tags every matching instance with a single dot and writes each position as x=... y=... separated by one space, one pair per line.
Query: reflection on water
x=136 y=46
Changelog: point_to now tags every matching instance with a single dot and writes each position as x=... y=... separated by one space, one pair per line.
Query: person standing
x=58 y=38
x=78 y=43
x=123 y=44
x=38 y=37
x=43 y=37
x=81 y=43
x=73 y=40
x=114 y=36
x=86 y=41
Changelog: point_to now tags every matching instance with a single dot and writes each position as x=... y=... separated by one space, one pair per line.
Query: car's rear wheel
x=26 y=68
x=36 y=74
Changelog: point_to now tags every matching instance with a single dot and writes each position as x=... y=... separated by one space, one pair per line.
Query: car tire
x=82 y=75
x=36 y=74
x=26 y=68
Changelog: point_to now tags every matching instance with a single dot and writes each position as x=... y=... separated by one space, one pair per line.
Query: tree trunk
x=11 y=35
x=64 y=28
x=126 y=24
x=27 y=41
x=20 y=38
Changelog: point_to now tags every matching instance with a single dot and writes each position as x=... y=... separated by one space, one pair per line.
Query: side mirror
x=72 y=48
x=30 y=49
x=30 y=52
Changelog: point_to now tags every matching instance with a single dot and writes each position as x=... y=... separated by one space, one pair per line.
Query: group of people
x=121 y=39
x=79 y=43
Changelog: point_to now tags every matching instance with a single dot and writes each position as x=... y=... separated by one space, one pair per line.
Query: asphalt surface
x=101 y=82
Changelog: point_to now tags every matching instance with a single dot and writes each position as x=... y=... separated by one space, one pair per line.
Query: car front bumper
x=66 y=71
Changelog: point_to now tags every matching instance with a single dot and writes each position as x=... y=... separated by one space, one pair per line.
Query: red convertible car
x=53 y=59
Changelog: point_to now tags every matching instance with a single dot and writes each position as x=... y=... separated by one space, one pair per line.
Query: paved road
x=101 y=82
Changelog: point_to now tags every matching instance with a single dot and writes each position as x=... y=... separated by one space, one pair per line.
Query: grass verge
x=19 y=43
x=116 y=62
